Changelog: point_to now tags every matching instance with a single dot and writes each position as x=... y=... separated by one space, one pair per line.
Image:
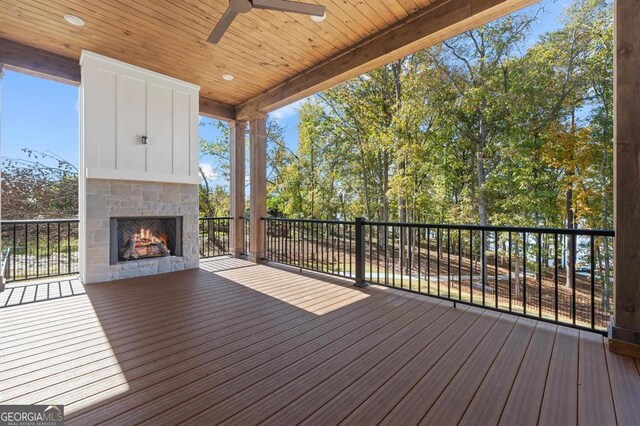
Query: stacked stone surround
x=104 y=199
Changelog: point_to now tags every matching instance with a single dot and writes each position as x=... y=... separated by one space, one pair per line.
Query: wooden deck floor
x=237 y=343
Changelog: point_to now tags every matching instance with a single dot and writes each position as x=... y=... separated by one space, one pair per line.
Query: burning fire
x=145 y=237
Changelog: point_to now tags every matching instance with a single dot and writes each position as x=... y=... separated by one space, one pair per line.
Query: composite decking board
x=525 y=398
x=334 y=386
x=160 y=347
x=39 y=311
x=595 y=403
x=129 y=312
x=104 y=297
x=387 y=397
x=625 y=387
x=159 y=391
x=499 y=351
x=98 y=329
x=489 y=401
x=217 y=387
x=110 y=366
x=238 y=409
x=186 y=306
x=560 y=402
x=202 y=341
x=364 y=354
x=197 y=301
x=81 y=351
x=454 y=378
x=345 y=402
x=284 y=347
x=91 y=323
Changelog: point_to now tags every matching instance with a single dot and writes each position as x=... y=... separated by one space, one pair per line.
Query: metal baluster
x=26 y=251
x=471 y=265
x=393 y=255
x=555 y=275
x=37 y=249
x=48 y=249
x=495 y=259
x=510 y=289
x=438 y=259
x=419 y=260
x=483 y=259
x=539 y=275
x=593 y=283
x=449 y=263
x=401 y=254
x=428 y=260
x=573 y=277
x=524 y=273
x=58 y=270
x=459 y=264
x=14 y=253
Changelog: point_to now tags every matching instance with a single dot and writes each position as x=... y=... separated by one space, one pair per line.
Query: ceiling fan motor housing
x=240 y=6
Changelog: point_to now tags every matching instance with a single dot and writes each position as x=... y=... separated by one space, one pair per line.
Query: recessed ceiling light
x=227 y=77
x=74 y=20
x=319 y=18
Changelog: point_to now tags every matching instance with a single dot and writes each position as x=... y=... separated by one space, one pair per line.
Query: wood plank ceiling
x=262 y=49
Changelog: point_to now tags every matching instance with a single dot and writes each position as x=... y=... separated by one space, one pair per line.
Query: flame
x=144 y=236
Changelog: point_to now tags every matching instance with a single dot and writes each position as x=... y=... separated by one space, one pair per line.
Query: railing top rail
x=216 y=217
x=528 y=229
x=282 y=219
x=21 y=222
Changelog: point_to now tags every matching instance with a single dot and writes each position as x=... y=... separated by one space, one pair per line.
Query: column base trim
x=624 y=341
x=621 y=347
x=237 y=253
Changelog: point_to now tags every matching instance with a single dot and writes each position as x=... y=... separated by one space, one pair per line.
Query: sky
x=43 y=114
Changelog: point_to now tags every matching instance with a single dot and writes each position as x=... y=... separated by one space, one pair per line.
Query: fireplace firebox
x=142 y=238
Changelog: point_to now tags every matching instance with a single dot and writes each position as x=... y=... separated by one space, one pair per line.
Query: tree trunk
x=482 y=179
x=570 y=240
x=516 y=282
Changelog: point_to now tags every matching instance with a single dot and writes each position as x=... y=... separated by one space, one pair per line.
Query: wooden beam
x=626 y=177
x=39 y=62
x=218 y=110
x=427 y=27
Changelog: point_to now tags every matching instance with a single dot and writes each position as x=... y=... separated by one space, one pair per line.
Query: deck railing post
x=360 y=253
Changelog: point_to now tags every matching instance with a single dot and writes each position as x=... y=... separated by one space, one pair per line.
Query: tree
x=43 y=186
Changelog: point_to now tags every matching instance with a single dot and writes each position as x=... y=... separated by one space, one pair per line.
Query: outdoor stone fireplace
x=165 y=212
x=138 y=174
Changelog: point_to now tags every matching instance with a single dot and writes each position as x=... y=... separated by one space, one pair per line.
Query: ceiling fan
x=244 y=6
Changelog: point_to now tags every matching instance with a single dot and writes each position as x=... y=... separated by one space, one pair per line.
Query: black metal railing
x=562 y=276
x=214 y=236
x=39 y=248
x=246 y=242
x=319 y=245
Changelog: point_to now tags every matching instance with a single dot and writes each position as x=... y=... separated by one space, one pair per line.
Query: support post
x=625 y=331
x=258 y=185
x=360 y=253
x=237 y=134
x=2 y=278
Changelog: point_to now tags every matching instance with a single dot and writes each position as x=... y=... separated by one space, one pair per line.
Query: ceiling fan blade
x=289 y=6
x=222 y=26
